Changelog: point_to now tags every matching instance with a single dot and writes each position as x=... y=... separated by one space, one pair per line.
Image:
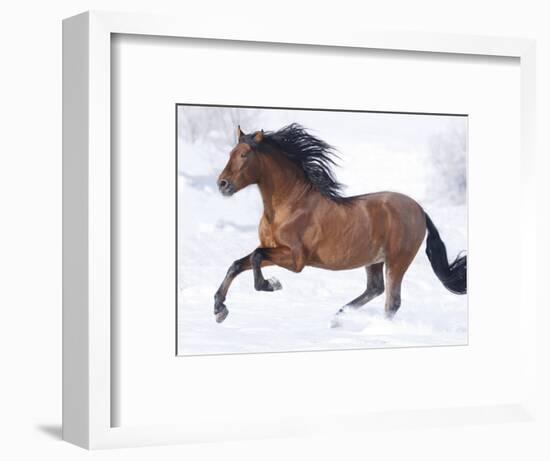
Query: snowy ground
x=214 y=231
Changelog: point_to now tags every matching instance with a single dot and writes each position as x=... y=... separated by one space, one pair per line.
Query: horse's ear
x=240 y=133
x=259 y=137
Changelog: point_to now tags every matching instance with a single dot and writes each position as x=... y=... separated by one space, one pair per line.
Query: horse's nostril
x=223 y=183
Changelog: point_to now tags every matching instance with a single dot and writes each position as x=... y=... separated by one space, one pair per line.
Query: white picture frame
x=88 y=365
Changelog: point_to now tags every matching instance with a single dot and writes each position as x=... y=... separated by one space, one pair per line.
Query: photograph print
x=303 y=230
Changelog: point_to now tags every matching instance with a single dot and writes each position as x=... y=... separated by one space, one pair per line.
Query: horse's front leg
x=241 y=265
x=259 y=258
x=279 y=256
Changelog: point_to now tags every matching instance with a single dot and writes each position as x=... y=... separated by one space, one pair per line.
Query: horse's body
x=306 y=222
x=370 y=229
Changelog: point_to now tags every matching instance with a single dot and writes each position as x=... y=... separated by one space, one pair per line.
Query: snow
x=392 y=154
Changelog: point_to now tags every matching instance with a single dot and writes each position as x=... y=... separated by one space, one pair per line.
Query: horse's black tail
x=453 y=276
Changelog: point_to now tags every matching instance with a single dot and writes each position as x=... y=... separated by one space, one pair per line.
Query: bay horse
x=307 y=222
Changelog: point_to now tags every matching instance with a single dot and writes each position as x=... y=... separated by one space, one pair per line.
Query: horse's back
x=399 y=211
x=367 y=229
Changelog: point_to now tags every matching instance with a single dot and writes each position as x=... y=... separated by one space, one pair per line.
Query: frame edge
x=75 y=260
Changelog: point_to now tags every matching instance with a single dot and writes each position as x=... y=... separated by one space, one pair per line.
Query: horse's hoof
x=274 y=283
x=222 y=315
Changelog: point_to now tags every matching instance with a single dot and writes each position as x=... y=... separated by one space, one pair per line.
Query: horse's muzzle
x=226 y=187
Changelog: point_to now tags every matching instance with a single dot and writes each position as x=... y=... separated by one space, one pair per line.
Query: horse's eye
x=244 y=154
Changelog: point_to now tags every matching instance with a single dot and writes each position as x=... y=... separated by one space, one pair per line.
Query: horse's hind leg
x=375 y=287
x=394 y=278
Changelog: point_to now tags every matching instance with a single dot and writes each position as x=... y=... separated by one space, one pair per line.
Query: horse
x=306 y=221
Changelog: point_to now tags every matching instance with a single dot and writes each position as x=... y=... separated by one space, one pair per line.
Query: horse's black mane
x=312 y=155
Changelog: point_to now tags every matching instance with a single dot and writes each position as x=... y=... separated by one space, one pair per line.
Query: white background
x=30 y=241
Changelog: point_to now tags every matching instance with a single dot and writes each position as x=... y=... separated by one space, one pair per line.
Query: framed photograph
x=268 y=233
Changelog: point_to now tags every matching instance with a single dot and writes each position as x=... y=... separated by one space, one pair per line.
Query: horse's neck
x=282 y=184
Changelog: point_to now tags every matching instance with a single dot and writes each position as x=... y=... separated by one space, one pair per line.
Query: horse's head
x=243 y=167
